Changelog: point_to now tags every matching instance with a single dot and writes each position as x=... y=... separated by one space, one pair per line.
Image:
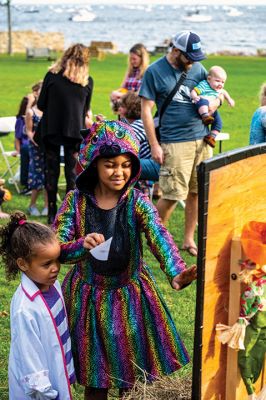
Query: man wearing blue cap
x=181 y=146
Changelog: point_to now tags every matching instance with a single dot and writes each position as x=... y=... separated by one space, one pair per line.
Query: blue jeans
x=149 y=169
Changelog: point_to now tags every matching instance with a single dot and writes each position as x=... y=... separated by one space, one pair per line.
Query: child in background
x=21 y=138
x=213 y=87
x=36 y=165
x=22 y=144
x=119 y=323
x=40 y=360
x=130 y=113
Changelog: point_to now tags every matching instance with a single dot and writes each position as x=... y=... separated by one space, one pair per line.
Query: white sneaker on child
x=34 y=212
x=44 y=212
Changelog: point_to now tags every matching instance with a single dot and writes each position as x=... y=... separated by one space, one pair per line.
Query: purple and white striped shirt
x=57 y=309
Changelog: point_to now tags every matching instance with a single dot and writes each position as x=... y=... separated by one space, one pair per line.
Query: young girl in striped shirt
x=40 y=360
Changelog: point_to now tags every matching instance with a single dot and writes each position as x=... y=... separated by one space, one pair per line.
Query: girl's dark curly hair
x=19 y=238
x=132 y=103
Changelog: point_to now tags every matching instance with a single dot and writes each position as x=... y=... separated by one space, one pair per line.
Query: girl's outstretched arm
x=159 y=239
x=66 y=225
x=185 y=278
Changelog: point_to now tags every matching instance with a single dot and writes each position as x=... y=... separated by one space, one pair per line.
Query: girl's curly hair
x=132 y=103
x=19 y=238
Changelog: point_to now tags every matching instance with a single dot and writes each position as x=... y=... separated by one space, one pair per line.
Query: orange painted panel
x=236 y=195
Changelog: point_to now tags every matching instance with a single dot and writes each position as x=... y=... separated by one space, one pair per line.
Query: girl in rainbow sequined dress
x=119 y=322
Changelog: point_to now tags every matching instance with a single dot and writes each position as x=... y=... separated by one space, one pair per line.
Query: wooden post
x=235 y=388
x=232 y=371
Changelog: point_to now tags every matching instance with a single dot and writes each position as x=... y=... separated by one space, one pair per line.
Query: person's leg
x=216 y=127
x=203 y=110
x=175 y=175
x=191 y=217
x=24 y=165
x=70 y=167
x=95 y=394
x=165 y=208
x=52 y=172
x=203 y=152
x=33 y=210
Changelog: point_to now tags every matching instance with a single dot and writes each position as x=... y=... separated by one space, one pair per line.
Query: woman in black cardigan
x=65 y=101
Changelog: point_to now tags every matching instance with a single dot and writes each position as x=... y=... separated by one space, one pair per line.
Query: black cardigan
x=64 y=105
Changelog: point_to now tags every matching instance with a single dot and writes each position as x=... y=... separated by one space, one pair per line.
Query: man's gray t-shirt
x=181 y=121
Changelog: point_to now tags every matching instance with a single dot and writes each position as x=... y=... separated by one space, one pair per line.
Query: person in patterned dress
x=119 y=322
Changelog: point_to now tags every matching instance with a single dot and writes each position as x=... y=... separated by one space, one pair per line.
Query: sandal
x=192 y=250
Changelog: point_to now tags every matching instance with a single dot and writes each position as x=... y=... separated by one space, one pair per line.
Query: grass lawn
x=245 y=75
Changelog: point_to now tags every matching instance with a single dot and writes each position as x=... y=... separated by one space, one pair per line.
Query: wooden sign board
x=232 y=192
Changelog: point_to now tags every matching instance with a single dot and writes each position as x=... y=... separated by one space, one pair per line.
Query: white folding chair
x=11 y=166
x=7 y=125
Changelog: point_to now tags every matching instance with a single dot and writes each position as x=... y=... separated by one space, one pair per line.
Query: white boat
x=196 y=16
x=31 y=10
x=83 y=16
x=234 y=12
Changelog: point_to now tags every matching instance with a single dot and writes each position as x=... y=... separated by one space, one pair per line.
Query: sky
x=184 y=2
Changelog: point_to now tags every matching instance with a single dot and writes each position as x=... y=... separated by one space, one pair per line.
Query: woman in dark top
x=65 y=101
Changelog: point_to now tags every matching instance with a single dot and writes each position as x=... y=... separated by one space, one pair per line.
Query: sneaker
x=44 y=212
x=34 y=212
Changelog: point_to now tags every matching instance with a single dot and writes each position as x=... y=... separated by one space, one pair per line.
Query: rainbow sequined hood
x=106 y=139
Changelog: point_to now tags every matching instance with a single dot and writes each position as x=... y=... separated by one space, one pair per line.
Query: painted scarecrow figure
x=248 y=334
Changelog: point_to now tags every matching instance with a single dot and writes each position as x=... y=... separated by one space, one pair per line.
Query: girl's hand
x=100 y=118
x=185 y=278
x=92 y=240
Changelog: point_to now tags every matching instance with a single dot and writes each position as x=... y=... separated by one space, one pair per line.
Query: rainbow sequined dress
x=119 y=323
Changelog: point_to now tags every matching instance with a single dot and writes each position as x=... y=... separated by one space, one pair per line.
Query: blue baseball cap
x=189 y=43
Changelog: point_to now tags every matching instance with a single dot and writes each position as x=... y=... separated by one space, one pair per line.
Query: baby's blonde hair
x=262 y=94
x=217 y=70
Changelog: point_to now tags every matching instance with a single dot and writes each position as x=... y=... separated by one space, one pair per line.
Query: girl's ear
x=22 y=264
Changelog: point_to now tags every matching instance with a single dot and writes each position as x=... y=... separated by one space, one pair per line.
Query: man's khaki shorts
x=178 y=174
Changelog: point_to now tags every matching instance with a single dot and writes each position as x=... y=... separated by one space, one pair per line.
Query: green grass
x=245 y=75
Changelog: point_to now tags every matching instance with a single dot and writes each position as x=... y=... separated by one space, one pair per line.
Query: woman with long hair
x=65 y=101
x=138 y=61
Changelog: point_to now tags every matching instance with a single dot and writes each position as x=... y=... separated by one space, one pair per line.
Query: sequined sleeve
x=65 y=225
x=158 y=238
